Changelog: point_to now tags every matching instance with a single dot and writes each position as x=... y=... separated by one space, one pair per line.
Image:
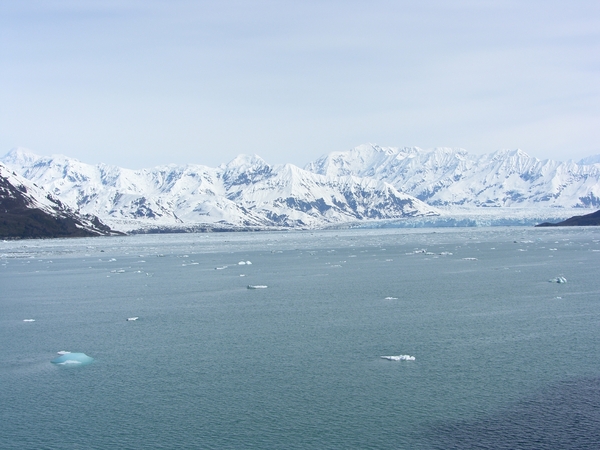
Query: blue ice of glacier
x=73 y=359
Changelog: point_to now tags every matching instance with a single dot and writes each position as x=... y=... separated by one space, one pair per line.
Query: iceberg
x=73 y=359
x=28 y=320
x=131 y=319
x=257 y=286
x=399 y=358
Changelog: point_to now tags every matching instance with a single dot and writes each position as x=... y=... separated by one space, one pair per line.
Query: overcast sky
x=142 y=83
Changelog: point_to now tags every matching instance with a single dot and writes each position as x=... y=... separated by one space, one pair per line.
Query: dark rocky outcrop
x=25 y=212
x=592 y=219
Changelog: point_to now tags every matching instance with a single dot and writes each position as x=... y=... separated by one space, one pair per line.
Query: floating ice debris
x=242 y=263
x=76 y=359
x=257 y=286
x=63 y=352
x=399 y=358
x=130 y=319
x=559 y=298
x=242 y=275
x=558 y=280
x=391 y=298
x=28 y=320
x=446 y=253
x=221 y=268
x=248 y=262
x=470 y=259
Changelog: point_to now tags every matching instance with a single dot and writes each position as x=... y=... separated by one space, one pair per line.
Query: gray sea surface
x=504 y=358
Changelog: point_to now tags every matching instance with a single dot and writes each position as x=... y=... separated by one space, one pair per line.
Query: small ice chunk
x=63 y=352
x=391 y=298
x=131 y=319
x=399 y=358
x=28 y=320
x=73 y=359
x=257 y=286
x=242 y=263
x=469 y=259
x=558 y=280
x=248 y=262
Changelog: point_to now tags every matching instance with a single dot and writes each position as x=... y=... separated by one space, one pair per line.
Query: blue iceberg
x=73 y=359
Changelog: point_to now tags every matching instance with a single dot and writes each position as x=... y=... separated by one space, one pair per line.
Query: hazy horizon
x=140 y=84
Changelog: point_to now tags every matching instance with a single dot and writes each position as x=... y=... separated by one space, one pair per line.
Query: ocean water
x=504 y=359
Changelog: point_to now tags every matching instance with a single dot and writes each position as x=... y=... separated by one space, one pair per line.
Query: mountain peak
x=245 y=161
x=594 y=159
x=20 y=156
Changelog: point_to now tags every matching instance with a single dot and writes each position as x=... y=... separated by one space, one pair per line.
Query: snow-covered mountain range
x=367 y=182
x=246 y=192
x=446 y=177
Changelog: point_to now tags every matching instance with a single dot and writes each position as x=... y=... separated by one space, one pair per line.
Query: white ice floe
x=559 y=280
x=221 y=268
x=399 y=358
x=130 y=319
x=28 y=320
x=469 y=259
x=257 y=286
x=391 y=298
x=242 y=263
x=63 y=352
x=248 y=262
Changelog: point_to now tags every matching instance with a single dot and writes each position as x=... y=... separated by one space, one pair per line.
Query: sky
x=140 y=83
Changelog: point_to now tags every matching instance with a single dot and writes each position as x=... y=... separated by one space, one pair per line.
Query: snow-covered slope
x=26 y=210
x=446 y=177
x=247 y=192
